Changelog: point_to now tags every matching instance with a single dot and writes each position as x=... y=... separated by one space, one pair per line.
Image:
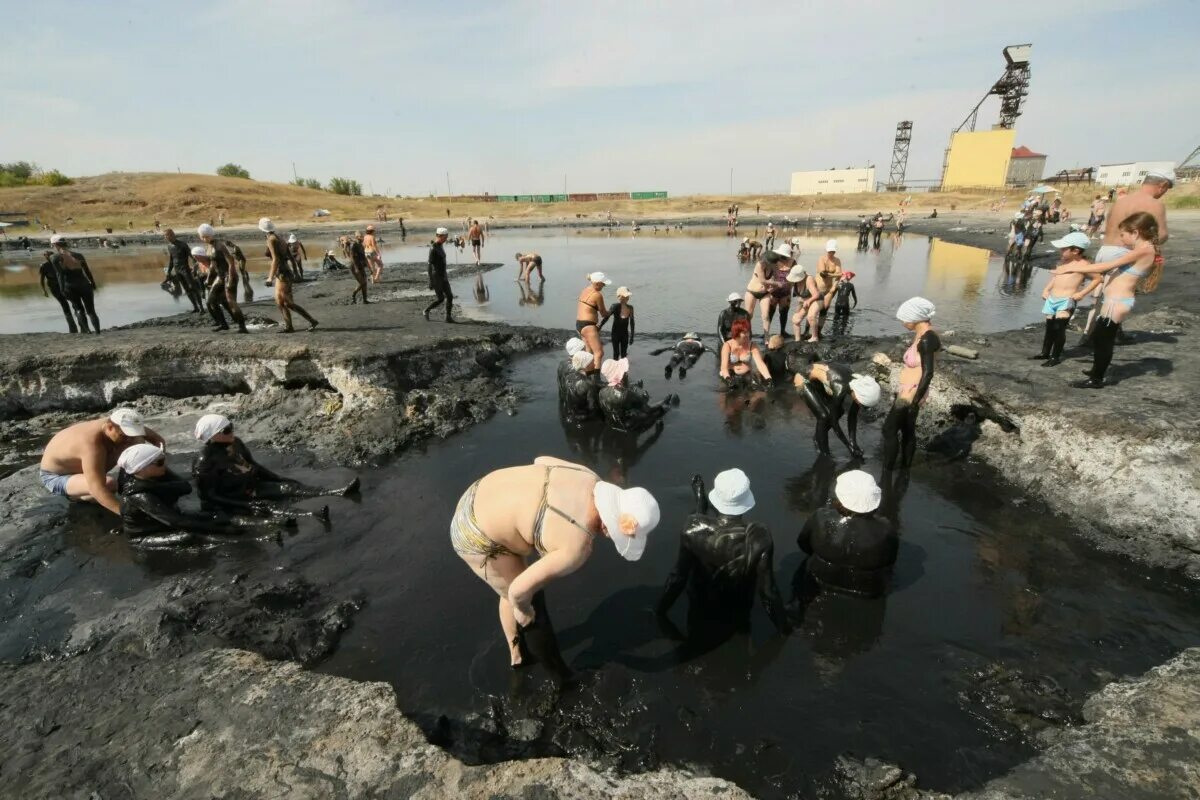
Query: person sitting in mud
x=150 y=514
x=330 y=263
x=239 y=260
x=742 y=363
x=1061 y=294
x=628 y=408
x=77 y=459
x=850 y=549
x=729 y=315
x=684 y=354
x=743 y=251
x=579 y=390
x=553 y=508
x=526 y=264
x=566 y=368
x=723 y=559
x=777 y=360
x=828 y=388
x=229 y=479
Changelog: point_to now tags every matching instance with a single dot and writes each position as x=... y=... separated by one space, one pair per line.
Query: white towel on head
x=916 y=309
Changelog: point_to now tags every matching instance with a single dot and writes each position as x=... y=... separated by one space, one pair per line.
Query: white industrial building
x=1129 y=174
x=834 y=181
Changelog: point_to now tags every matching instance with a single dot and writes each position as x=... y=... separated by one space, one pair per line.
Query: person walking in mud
x=557 y=510
x=76 y=283
x=48 y=279
x=374 y=254
x=916 y=375
x=77 y=459
x=222 y=280
x=438 y=282
x=239 y=259
x=281 y=276
x=475 y=236
x=360 y=265
x=299 y=254
x=179 y=270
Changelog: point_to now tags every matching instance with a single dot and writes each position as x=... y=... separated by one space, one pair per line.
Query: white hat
x=575 y=345
x=614 y=370
x=328 y=252
x=624 y=292
x=629 y=515
x=265 y=225
x=441 y=232
x=581 y=359
x=200 y=251
x=857 y=491
x=866 y=390
x=916 y=309
x=731 y=493
x=206 y=231
x=1018 y=215
x=1162 y=174
x=598 y=277
x=1074 y=239
x=129 y=421
x=783 y=249
x=831 y=246
x=56 y=238
x=292 y=238
x=210 y=425
x=136 y=458
x=745 y=239
x=734 y=297
x=691 y=335
x=796 y=274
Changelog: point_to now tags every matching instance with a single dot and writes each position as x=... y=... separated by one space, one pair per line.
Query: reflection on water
x=679 y=279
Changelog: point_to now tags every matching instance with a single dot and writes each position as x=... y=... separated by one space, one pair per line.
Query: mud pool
x=679 y=279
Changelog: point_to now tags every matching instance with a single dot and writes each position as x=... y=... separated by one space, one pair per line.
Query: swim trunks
x=1053 y=305
x=54 y=483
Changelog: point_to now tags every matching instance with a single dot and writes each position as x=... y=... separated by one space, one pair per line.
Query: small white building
x=834 y=181
x=1129 y=174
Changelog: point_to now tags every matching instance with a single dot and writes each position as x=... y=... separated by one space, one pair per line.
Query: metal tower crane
x=899 y=156
x=1012 y=88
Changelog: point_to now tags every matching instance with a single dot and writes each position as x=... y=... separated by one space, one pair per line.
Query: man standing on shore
x=179 y=269
x=438 y=281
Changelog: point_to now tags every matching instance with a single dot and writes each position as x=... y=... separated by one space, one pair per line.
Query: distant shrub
x=53 y=178
x=308 y=183
x=232 y=170
x=345 y=186
x=24 y=173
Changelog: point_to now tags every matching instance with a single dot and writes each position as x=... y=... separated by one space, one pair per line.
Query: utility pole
x=294 y=175
x=448 y=192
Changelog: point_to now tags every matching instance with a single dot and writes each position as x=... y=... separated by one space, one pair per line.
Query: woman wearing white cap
x=624 y=326
x=374 y=254
x=724 y=560
x=828 y=389
x=829 y=272
x=282 y=275
x=555 y=509
x=565 y=369
x=221 y=279
x=591 y=314
x=916 y=373
x=764 y=279
x=296 y=248
x=76 y=282
x=850 y=549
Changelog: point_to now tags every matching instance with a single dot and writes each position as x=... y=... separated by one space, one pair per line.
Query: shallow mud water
x=679 y=279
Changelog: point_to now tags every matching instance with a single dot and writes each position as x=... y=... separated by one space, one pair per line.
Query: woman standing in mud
x=356 y=254
x=76 y=282
x=591 y=313
x=222 y=280
x=829 y=271
x=374 y=258
x=623 y=327
x=916 y=373
x=763 y=282
x=281 y=276
x=553 y=508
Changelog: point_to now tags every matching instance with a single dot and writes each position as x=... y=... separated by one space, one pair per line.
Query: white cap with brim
x=441 y=232
x=200 y=251
x=1167 y=175
x=731 y=493
x=210 y=425
x=575 y=345
x=581 y=360
x=56 y=238
x=866 y=390
x=831 y=246
x=796 y=274
x=136 y=458
x=598 y=277
x=265 y=225
x=734 y=297
x=629 y=515
x=916 y=309
x=129 y=421
x=857 y=491
x=784 y=250
x=1073 y=239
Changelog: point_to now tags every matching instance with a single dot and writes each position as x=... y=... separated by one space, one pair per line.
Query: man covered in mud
x=850 y=549
x=48 y=279
x=229 y=479
x=438 y=282
x=684 y=354
x=77 y=460
x=282 y=275
x=360 y=265
x=724 y=560
x=150 y=513
x=179 y=270
x=628 y=408
x=730 y=315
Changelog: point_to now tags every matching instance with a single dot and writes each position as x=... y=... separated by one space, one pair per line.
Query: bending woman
x=591 y=313
x=916 y=373
x=827 y=390
x=737 y=356
x=553 y=508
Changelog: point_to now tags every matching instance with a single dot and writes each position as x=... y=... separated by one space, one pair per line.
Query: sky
x=524 y=96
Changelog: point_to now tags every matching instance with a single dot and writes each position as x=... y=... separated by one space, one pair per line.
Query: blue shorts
x=1054 y=305
x=54 y=483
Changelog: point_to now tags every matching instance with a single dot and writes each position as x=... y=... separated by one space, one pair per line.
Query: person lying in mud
x=229 y=479
x=76 y=461
x=850 y=549
x=738 y=354
x=628 y=408
x=684 y=354
x=150 y=514
x=729 y=315
x=916 y=374
x=1061 y=295
x=828 y=389
x=557 y=510
x=724 y=560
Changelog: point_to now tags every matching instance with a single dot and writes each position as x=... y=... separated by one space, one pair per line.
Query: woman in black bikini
x=591 y=314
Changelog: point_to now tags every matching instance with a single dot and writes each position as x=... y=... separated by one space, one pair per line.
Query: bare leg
x=814 y=318
x=499 y=573
x=591 y=336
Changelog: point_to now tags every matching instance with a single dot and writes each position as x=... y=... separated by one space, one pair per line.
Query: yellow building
x=979 y=159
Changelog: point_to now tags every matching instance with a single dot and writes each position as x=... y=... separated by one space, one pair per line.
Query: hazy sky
x=512 y=96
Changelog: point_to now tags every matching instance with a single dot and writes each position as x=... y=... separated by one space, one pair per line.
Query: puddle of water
x=678 y=279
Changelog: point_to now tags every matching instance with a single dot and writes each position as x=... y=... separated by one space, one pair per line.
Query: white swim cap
x=210 y=425
x=265 y=225
x=575 y=345
x=200 y=251
x=136 y=458
x=916 y=309
x=866 y=390
x=581 y=359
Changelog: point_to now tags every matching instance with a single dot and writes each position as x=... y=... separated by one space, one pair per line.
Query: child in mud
x=1061 y=294
x=843 y=294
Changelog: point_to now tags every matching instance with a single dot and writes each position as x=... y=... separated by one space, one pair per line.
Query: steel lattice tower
x=899 y=156
x=1013 y=88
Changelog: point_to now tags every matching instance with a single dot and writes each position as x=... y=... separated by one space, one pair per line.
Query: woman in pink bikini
x=900 y=426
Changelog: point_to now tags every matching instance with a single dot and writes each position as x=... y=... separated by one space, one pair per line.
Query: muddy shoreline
x=371 y=382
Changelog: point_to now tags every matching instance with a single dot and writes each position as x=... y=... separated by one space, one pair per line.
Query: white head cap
x=866 y=390
x=206 y=231
x=56 y=238
x=857 y=491
x=136 y=458
x=783 y=249
x=796 y=274
x=598 y=277
x=292 y=239
x=629 y=515
x=623 y=291
x=916 y=309
x=731 y=493
x=265 y=225
x=581 y=360
x=210 y=425
x=734 y=297
x=441 y=232
x=129 y=421
x=575 y=345
x=1018 y=215
x=200 y=251
x=831 y=246
x=745 y=239
x=1167 y=175
x=614 y=370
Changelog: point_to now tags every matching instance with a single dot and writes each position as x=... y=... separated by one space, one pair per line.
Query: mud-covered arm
x=632 y=324
x=677 y=580
x=761 y=549
x=853 y=295
x=303 y=252
x=87 y=271
x=852 y=428
x=260 y=471
x=44 y=281
x=660 y=351
x=928 y=345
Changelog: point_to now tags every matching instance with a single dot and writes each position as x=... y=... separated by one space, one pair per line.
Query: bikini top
x=545 y=506
x=734 y=358
x=1129 y=269
x=911 y=357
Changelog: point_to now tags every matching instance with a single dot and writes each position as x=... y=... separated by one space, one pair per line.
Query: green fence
x=647 y=195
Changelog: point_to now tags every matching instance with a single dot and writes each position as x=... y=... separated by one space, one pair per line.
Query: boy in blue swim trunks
x=1061 y=295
